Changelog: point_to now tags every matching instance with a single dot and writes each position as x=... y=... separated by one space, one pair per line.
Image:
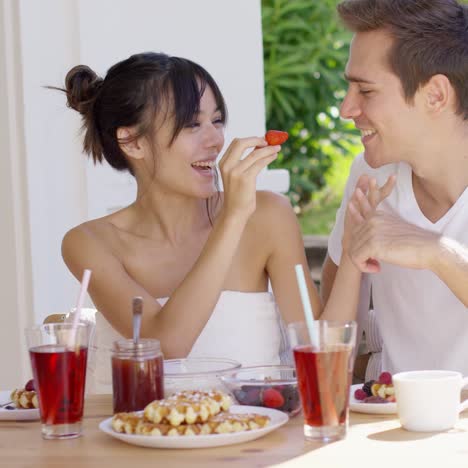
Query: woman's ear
x=130 y=144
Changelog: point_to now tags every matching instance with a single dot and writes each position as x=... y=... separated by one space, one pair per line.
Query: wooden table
x=373 y=442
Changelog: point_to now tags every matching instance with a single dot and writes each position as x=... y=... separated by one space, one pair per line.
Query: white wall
x=60 y=187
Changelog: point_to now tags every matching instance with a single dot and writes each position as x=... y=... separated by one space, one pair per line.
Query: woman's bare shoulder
x=96 y=230
x=272 y=205
x=97 y=237
x=273 y=214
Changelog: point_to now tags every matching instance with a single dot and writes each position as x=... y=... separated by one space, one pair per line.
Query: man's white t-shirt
x=422 y=323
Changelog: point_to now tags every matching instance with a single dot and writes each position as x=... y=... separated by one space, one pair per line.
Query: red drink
x=59 y=376
x=324 y=378
x=136 y=382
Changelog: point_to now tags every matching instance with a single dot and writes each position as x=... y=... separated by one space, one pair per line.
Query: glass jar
x=137 y=374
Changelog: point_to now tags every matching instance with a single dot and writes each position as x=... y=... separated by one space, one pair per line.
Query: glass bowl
x=196 y=374
x=267 y=386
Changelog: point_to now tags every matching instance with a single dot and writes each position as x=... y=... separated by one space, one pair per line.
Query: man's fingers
x=386 y=190
x=374 y=193
x=363 y=183
x=365 y=207
x=356 y=215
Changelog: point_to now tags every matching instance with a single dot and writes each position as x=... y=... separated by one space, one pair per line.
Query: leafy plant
x=305 y=53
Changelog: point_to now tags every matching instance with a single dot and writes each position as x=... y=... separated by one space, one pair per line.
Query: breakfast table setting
x=372 y=439
x=215 y=412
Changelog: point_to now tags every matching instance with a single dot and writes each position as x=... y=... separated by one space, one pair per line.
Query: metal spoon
x=137 y=307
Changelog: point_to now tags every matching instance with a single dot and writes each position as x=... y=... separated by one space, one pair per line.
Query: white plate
x=374 y=408
x=16 y=414
x=277 y=419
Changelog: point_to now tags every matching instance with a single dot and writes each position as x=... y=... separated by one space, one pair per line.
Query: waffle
x=187 y=407
x=24 y=399
x=125 y=422
x=224 y=401
x=177 y=411
x=222 y=423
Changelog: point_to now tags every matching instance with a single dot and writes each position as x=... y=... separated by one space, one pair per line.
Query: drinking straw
x=309 y=316
x=79 y=306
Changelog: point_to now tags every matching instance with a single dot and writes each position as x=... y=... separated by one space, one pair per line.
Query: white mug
x=429 y=401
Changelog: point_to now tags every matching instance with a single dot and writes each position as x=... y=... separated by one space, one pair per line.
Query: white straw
x=309 y=316
x=79 y=304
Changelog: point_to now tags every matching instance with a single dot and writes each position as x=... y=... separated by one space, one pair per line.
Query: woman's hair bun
x=81 y=86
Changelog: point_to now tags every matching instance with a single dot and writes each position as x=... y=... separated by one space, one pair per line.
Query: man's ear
x=130 y=145
x=438 y=93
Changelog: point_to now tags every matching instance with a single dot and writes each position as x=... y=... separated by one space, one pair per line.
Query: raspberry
x=360 y=394
x=29 y=387
x=272 y=398
x=385 y=378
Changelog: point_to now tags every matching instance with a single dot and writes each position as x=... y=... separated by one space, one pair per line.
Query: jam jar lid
x=145 y=348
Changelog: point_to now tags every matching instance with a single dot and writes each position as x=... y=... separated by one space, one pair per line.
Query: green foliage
x=305 y=53
x=318 y=216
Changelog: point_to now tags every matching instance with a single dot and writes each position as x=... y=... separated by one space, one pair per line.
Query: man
x=408 y=94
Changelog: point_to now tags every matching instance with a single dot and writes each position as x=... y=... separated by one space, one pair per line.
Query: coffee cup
x=429 y=401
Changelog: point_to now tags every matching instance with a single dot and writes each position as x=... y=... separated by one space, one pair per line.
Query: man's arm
x=450 y=264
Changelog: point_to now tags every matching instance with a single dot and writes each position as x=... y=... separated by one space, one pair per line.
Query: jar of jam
x=137 y=374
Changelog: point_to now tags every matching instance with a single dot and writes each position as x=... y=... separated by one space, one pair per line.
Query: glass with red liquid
x=324 y=364
x=137 y=374
x=58 y=354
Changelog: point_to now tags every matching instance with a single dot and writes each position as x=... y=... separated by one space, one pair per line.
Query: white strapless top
x=244 y=326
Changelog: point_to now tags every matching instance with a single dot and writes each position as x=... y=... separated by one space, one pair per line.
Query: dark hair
x=132 y=93
x=430 y=37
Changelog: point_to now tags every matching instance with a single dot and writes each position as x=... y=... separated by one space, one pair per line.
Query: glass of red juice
x=58 y=354
x=324 y=364
x=137 y=374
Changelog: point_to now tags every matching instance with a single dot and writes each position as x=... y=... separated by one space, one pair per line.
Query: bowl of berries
x=267 y=386
x=375 y=396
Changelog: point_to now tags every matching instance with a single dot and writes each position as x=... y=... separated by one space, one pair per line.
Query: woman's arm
x=283 y=236
x=179 y=322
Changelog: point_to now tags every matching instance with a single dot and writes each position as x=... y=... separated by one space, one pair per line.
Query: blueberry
x=367 y=387
x=9 y=407
x=240 y=396
x=253 y=397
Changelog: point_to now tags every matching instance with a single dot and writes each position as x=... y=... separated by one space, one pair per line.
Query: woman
x=201 y=259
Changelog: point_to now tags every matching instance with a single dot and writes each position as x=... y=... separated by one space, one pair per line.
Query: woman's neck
x=169 y=217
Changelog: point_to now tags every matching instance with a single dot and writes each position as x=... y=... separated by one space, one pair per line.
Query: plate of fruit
x=375 y=396
x=19 y=404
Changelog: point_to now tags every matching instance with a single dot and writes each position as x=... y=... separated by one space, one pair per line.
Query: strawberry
x=272 y=398
x=276 y=137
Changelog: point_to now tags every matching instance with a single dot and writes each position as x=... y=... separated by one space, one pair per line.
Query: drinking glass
x=324 y=369
x=58 y=354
